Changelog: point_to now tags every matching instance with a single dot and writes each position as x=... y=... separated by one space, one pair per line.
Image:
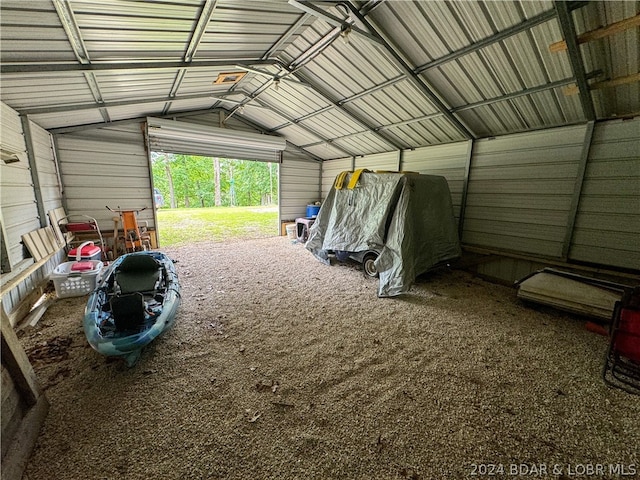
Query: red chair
x=78 y=229
x=622 y=363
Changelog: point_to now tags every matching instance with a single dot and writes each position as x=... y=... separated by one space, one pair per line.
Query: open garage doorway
x=213 y=184
x=213 y=199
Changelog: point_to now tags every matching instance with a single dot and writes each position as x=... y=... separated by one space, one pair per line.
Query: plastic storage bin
x=312 y=211
x=75 y=283
x=86 y=251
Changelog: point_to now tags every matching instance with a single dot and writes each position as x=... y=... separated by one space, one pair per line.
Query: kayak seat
x=128 y=311
x=138 y=273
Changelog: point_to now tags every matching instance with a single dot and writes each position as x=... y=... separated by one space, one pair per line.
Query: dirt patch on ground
x=280 y=367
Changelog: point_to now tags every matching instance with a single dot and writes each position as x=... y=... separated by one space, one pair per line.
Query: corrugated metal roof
x=409 y=74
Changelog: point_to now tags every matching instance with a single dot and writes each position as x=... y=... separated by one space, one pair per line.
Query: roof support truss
x=417 y=81
x=306 y=129
x=123 y=103
x=577 y=65
x=71 y=28
x=196 y=38
x=503 y=34
x=116 y=67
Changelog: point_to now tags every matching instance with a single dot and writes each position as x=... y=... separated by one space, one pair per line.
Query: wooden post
x=115 y=237
x=24 y=379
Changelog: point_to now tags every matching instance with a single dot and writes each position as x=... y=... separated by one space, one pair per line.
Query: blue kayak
x=135 y=301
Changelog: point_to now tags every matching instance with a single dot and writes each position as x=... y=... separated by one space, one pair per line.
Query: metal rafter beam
x=287 y=35
x=291 y=71
x=344 y=101
x=261 y=129
x=418 y=82
x=91 y=126
x=196 y=38
x=200 y=29
x=568 y=30
x=250 y=97
x=315 y=49
x=115 y=67
x=332 y=19
x=514 y=30
x=71 y=28
x=120 y=103
x=325 y=95
x=306 y=129
x=475 y=46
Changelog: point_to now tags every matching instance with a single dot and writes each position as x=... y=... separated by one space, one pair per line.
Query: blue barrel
x=312 y=211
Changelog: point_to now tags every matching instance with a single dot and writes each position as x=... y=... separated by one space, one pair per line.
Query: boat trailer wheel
x=368 y=264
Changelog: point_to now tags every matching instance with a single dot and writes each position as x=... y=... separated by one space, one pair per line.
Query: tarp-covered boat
x=134 y=303
x=406 y=217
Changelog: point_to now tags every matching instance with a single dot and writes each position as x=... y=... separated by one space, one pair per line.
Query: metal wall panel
x=507 y=270
x=106 y=166
x=520 y=190
x=48 y=177
x=331 y=169
x=18 y=210
x=299 y=184
x=57 y=120
x=607 y=228
x=12 y=136
x=381 y=161
x=447 y=160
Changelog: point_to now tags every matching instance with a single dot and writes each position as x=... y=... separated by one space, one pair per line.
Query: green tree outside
x=188 y=181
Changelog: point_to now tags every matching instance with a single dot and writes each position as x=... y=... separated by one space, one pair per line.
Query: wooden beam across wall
x=614 y=82
x=602 y=32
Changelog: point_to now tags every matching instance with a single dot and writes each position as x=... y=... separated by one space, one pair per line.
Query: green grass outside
x=187 y=225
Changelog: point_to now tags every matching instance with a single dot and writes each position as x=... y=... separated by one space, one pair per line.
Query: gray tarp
x=408 y=218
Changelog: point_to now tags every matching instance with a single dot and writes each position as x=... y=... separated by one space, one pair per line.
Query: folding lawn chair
x=622 y=363
x=78 y=229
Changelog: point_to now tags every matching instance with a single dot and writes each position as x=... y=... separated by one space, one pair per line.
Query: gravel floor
x=279 y=367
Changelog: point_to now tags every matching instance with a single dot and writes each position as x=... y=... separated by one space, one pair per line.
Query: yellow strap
x=355 y=177
x=340 y=179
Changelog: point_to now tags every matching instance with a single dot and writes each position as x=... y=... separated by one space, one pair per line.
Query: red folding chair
x=622 y=363
x=78 y=229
